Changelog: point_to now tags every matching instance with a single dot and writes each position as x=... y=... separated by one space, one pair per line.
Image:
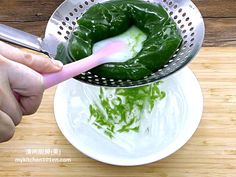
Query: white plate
x=183 y=91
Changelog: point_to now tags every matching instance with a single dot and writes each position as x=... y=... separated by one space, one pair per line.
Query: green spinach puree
x=114 y=17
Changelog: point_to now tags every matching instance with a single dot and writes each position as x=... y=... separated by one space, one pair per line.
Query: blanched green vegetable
x=123 y=110
x=114 y=17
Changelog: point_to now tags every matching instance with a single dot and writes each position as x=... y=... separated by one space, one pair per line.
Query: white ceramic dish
x=71 y=119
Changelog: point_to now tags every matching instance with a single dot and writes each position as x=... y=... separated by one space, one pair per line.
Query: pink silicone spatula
x=73 y=69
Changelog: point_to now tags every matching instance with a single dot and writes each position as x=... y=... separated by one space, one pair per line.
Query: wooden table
x=211 y=152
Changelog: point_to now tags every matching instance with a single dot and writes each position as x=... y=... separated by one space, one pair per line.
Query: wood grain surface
x=211 y=152
x=32 y=16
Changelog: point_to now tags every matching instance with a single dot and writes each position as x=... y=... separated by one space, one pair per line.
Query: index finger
x=36 y=62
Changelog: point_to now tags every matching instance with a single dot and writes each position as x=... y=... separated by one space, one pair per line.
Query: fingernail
x=57 y=63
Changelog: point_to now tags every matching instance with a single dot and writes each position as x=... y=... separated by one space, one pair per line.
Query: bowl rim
x=172 y=148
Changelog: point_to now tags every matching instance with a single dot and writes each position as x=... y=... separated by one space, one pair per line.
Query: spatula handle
x=70 y=70
x=73 y=69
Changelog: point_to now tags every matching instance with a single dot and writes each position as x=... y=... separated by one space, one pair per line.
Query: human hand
x=19 y=73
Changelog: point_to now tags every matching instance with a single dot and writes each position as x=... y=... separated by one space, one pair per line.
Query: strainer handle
x=19 y=37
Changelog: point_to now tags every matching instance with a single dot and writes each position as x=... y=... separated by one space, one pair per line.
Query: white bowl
x=183 y=88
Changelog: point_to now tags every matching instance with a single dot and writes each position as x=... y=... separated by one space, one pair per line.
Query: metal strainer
x=63 y=21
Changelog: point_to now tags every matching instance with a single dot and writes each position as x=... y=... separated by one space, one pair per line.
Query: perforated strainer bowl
x=63 y=21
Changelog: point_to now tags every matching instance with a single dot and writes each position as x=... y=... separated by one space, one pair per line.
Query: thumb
x=28 y=84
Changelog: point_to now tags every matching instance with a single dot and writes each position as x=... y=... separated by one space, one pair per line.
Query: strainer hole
x=86 y=2
x=185 y=36
x=190 y=24
x=170 y=3
x=185 y=42
x=171 y=13
x=192 y=34
x=104 y=82
x=140 y=82
x=187 y=19
x=175 y=6
x=179 y=22
x=180 y=10
x=175 y=17
x=61 y=28
x=67 y=32
x=64 y=23
x=191 y=45
x=67 y=18
x=70 y=28
x=73 y=23
x=71 y=14
x=131 y=83
x=59 y=33
x=182 y=26
x=92 y=0
x=192 y=39
x=146 y=80
x=184 y=14
x=81 y=6
x=191 y=29
x=184 y=31
x=66 y=38
x=76 y=10
x=164 y=0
